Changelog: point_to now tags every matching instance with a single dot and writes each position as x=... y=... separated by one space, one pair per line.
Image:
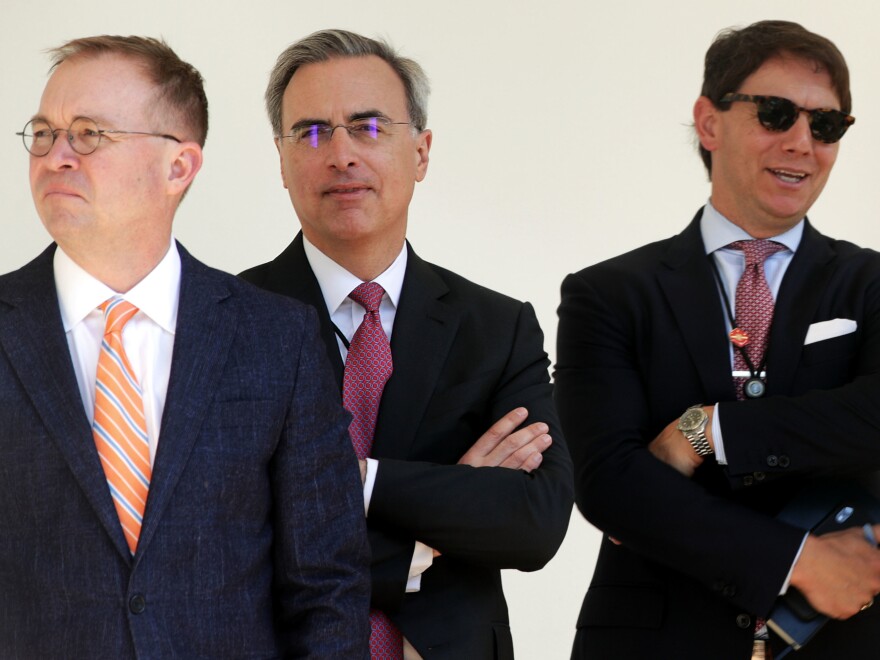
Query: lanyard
x=755 y=386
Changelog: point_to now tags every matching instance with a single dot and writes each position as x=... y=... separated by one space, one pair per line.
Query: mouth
x=65 y=193
x=788 y=176
x=59 y=188
x=347 y=190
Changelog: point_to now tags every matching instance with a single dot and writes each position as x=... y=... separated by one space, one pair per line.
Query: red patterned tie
x=367 y=369
x=754 y=305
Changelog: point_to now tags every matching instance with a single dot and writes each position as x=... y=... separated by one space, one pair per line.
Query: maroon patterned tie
x=754 y=306
x=367 y=369
x=754 y=314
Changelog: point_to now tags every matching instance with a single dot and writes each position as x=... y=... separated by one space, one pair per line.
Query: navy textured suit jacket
x=463 y=357
x=253 y=541
x=642 y=337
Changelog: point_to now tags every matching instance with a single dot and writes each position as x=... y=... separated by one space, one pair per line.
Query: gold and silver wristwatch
x=692 y=424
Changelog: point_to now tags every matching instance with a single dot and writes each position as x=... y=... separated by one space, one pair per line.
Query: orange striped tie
x=120 y=428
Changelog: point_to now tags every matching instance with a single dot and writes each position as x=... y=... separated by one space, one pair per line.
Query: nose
x=61 y=155
x=342 y=151
x=798 y=138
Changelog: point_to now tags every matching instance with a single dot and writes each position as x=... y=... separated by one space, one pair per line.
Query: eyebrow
x=354 y=116
x=98 y=119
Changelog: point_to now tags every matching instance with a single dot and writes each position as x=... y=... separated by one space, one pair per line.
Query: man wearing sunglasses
x=451 y=496
x=176 y=479
x=752 y=307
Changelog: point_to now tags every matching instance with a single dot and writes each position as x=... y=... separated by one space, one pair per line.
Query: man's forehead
x=344 y=86
x=786 y=67
x=99 y=86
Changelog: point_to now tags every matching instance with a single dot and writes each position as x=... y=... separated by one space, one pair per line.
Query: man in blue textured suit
x=250 y=542
x=695 y=557
x=448 y=502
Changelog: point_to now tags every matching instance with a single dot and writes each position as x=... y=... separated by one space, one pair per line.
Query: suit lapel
x=690 y=289
x=206 y=323
x=424 y=329
x=802 y=288
x=32 y=337
x=290 y=274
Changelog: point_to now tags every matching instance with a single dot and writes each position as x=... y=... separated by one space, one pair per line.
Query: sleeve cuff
x=369 y=483
x=423 y=557
x=717 y=440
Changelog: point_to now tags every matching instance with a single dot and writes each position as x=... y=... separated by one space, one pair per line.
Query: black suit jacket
x=463 y=357
x=252 y=542
x=641 y=338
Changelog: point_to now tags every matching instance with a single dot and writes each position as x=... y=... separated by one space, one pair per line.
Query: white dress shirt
x=336 y=283
x=718 y=232
x=148 y=338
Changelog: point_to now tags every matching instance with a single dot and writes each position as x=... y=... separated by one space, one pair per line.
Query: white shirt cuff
x=369 y=483
x=717 y=440
x=423 y=557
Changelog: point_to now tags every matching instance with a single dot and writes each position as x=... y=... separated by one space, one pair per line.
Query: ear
x=706 y=123
x=281 y=162
x=186 y=164
x=423 y=148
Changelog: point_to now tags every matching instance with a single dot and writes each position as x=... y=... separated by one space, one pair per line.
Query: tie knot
x=757 y=251
x=117 y=312
x=368 y=295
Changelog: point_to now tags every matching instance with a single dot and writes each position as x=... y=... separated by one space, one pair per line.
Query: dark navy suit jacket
x=463 y=357
x=253 y=542
x=642 y=337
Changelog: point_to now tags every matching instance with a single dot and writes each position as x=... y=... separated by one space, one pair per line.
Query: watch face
x=692 y=419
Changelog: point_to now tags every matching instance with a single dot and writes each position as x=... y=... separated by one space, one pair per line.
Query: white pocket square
x=829 y=330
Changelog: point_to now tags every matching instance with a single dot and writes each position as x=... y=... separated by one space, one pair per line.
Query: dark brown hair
x=738 y=53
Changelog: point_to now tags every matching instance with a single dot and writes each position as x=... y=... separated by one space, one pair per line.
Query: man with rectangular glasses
x=752 y=307
x=464 y=466
x=176 y=479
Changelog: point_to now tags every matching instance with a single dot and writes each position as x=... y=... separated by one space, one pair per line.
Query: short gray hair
x=329 y=44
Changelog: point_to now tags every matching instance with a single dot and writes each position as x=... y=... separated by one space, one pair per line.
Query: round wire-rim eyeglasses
x=83 y=135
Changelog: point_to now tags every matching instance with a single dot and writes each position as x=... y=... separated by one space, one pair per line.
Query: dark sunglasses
x=779 y=114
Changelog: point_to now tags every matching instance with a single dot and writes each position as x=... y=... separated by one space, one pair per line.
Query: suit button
x=729 y=591
x=137 y=604
x=759 y=476
x=743 y=621
x=748 y=480
x=772 y=461
x=784 y=461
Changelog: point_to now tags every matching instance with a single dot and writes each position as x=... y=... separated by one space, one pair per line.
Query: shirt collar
x=719 y=232
x=157 y=295
x=336 y=282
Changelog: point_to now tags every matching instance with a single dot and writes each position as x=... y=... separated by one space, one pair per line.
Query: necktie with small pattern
x=754 y=306
x=367 y=368
x=754 y=315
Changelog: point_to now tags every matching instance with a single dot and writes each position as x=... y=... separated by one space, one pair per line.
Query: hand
x=838 y=573
x=503 y=446
x=673 y=448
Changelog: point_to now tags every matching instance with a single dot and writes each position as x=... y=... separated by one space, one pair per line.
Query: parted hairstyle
x=738 y=53
x=180 y=85
x=329 y=44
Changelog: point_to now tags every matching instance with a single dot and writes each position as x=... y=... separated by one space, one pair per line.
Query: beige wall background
x=561 y=138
